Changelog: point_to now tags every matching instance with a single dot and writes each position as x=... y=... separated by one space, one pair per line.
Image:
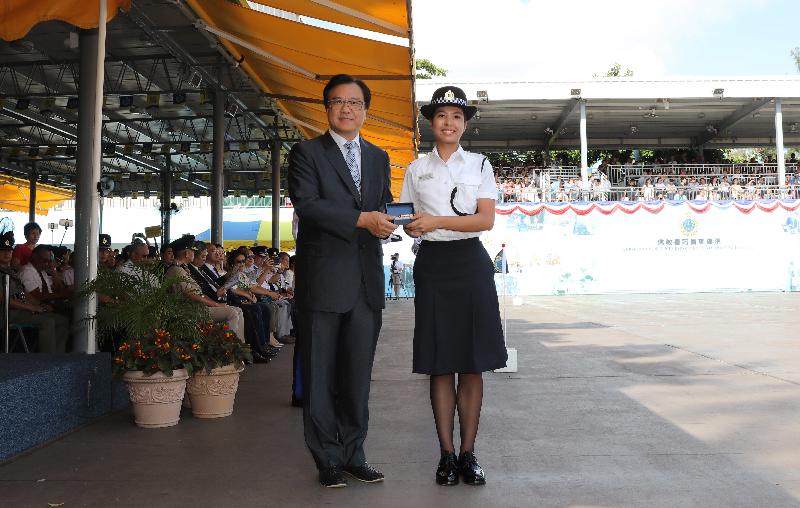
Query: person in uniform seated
x=104 y=250
x=52 y=328
x=220 y=312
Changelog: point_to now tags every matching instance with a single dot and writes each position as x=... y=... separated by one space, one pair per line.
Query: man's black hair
x=343 y=79
x=29 y=227
x=42 y=247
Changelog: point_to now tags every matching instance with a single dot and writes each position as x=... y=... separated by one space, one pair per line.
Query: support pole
x=218 y=168
x=90 y=125
x=166 y=199
x=779 y=145
x=6 y=320
x=584 y=149
x=32 y=194
x=275 y=157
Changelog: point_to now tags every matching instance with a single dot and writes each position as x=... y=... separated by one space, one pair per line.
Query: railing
x=618 y=173
x=653 y=193
x=621 y=173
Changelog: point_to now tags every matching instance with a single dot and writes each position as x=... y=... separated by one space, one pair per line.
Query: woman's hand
x=422 y=223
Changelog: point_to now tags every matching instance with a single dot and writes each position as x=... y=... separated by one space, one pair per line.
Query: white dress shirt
x=29 y=276
x=429 y=183
x=340 y=141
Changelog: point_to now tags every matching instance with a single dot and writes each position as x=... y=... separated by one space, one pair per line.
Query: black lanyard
x=453 y=197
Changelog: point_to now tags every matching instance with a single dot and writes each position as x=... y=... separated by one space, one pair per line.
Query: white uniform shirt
x=29 y=276
x=429 y=183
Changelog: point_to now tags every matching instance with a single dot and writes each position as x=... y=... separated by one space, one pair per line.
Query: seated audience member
x=64 y=266
x=52 y=328
x=267 y=283
x=104 y=250
x=22 y=252
x=213 y=265
x=136 y=264
x=167 y=256
x=241 y=282
x=256 y=315
x=41 y=280
x=183 y=250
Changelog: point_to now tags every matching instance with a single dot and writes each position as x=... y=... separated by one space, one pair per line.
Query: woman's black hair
x=232 y=255
x=343 y=79
x=30 y=227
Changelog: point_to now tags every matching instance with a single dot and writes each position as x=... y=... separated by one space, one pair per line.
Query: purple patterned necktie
x=352 y=164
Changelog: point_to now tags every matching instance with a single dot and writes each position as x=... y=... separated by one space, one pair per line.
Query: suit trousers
x=230 y=315
x=337 y=351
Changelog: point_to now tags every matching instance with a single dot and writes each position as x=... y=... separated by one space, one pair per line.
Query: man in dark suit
x=339 y=185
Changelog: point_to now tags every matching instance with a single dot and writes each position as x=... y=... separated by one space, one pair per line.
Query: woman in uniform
x=457 y=333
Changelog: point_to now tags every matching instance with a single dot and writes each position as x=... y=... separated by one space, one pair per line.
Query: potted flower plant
x=154 y=330
x=218 y=358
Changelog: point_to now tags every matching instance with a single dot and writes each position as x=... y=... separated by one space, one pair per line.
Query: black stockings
x=444 y=401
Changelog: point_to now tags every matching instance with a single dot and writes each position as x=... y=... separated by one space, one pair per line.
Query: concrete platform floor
x=631 y=400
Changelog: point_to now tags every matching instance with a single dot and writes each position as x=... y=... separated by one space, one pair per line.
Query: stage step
x=43 y=396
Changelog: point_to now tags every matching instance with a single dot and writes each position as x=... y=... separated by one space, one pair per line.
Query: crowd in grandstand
x=679 y=178
x=249 y=288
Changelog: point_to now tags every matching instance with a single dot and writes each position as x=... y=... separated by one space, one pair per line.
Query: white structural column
x=87 y=199
x=275 y=157
x=779 y=144
x=584 y=148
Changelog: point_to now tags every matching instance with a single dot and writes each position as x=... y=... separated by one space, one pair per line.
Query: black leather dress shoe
x=447 y=472
x=332 y=477
x=471 y=471
x=259 y=358
x=365 y=473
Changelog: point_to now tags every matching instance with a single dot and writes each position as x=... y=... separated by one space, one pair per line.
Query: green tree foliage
x=615 y=72
x=425 y=69
x=796 y=56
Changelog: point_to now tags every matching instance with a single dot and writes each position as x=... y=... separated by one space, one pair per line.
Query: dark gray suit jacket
x=334 y=258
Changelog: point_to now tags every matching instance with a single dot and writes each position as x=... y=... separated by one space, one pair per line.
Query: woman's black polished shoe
x=447 y=472
x=471 y=471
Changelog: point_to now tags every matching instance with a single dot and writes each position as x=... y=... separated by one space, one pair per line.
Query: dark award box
x=402 y=212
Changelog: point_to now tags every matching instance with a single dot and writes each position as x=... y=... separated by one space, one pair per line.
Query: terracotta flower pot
x=156 y=399
x=212 y=395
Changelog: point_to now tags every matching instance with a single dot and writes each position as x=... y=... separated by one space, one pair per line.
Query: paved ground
x=635 y=400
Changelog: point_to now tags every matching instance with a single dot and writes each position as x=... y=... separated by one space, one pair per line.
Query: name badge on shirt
x=426 y=176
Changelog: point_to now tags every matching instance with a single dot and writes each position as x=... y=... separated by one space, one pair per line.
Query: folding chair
x=20 y=335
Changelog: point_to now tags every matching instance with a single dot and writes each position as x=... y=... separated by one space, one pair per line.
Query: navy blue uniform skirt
x=457 y=316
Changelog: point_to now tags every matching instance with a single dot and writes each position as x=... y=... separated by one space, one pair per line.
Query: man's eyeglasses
x=250 y=257
x=355 y=105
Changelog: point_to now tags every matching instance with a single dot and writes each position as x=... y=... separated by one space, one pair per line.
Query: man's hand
x=221 y=291
x=378 y=224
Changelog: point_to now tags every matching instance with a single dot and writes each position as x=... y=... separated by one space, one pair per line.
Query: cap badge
x=449 y=96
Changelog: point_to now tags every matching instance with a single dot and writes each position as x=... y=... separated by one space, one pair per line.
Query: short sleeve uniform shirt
x=430 y=181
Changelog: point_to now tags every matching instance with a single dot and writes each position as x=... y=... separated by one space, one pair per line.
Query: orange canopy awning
x=385 y=16
x=295 y=60
x=15 y=195
x=17 y=17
